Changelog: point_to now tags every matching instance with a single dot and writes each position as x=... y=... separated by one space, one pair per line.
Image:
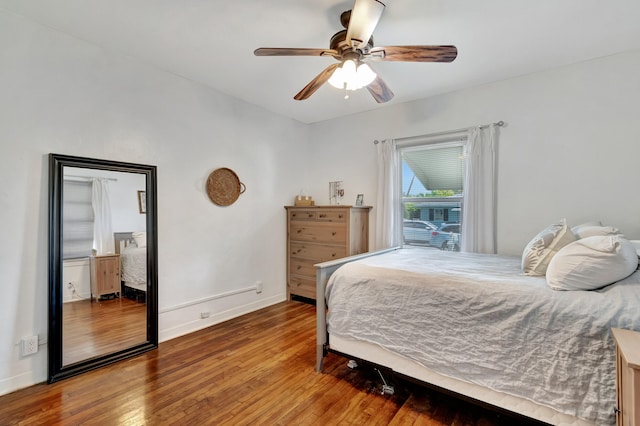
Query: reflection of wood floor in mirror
x=97 y=328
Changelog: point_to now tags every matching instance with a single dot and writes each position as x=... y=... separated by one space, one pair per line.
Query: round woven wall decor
x=224 y=187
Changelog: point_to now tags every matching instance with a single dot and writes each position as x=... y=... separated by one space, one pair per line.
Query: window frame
x=431 y=143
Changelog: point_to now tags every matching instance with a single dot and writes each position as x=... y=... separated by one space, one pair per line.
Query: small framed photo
x=360 y=200
x=142 y=201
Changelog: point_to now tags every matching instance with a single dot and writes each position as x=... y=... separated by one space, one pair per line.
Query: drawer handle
x=340 y=216
x=333 y=255
x=310 y=215
x=323 y=215
x=299 y=267
x=299 y=231
x=333 y=234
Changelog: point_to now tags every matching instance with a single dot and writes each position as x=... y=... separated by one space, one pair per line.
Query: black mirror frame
x=57 y=371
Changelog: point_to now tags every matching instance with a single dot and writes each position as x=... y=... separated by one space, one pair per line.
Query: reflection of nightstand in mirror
x=628 y=376
x=105 y=275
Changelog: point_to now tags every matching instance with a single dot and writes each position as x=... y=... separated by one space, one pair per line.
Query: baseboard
x=215 y=318
x=21 y=381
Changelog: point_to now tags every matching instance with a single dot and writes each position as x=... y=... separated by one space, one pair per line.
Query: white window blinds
x=77 y=226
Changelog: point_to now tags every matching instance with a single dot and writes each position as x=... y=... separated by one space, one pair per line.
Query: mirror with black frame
x=102 y=263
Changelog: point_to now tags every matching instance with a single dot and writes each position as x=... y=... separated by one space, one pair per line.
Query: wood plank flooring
x=257 y=369
x=101 y=327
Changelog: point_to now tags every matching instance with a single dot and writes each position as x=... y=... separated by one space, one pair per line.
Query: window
x=432 y=191
x=77 y=227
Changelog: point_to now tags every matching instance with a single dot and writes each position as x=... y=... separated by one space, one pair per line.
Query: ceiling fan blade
x=380 y=91
x=415 y=53
x=280 y=51
x=315 y=84
x=364 y=18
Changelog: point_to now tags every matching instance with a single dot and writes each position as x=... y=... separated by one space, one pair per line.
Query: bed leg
x=319 y=358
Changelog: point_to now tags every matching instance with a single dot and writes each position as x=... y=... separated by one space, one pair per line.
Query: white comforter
x=478 y=318
x=134 y=265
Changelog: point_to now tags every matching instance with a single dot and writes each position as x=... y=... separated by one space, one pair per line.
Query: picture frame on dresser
x=359 y=200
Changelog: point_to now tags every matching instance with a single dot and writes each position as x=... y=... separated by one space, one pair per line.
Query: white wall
x=62 y=95
x=570 y=149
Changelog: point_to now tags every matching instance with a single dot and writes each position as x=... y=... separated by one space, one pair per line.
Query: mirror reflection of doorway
x=104 y=263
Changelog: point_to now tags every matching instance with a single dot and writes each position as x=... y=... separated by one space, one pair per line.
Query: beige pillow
x=541 y=249
x=591 y=263
x=593 y=231
x=140 y=238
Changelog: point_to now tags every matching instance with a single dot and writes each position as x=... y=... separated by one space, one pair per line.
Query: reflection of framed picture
x=142 y=201
x=360 y=200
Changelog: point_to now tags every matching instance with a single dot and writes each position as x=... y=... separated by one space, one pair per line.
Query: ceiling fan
x=353 y=46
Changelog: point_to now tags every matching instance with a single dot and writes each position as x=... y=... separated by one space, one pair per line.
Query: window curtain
x=388 y=214
x=479 y=201
x=102 y=230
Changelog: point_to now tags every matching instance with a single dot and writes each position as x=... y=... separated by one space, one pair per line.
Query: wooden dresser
x=628 y=376
x=105 y=275
x=318 y=234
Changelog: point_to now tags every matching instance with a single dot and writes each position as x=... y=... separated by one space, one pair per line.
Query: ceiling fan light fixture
x=365 y=75
x=337 y=79
x=352 y=77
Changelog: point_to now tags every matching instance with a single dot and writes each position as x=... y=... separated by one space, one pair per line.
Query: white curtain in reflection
x=102 y=228
x=479 y=212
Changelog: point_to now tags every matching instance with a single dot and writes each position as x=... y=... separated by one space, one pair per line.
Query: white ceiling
x=212 y=42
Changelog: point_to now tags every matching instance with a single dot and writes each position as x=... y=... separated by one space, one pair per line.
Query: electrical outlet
x=204 y=315
x=29 y=345
x=258 y=286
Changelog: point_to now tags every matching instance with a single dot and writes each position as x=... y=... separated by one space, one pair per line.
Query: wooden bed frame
x=411 y=370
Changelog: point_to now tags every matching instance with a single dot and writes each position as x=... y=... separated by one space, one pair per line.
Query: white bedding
x=479 y=319
x=134 y=267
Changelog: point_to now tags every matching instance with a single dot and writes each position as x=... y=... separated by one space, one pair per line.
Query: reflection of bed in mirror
x=132 y=248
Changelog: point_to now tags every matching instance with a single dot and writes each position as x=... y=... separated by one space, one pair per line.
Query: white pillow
x=592 y=223
x=541 y=249
x=140 y=238
x=591 y=231
x=592 y=263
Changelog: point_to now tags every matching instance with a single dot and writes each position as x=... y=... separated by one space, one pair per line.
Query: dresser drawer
x=316 y=252
x=301 y=286
x=321 y=215
x=318 y=232
x=331 y=216
x=302 y=215
x=302 y=267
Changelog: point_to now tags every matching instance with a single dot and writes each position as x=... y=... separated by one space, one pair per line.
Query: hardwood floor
x=253 y=370
x=101 y=327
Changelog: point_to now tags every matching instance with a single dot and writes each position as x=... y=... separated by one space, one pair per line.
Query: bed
x=477 y=326
x=133 y=263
